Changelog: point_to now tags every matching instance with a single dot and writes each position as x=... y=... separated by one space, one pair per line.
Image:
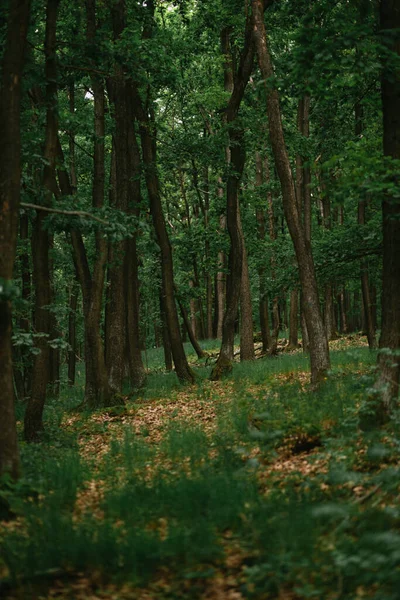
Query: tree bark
x=319 y=350
x=293 y=321
x=272 y=236
x=237 y=160
x=261 y=230
x=246 y=309
x=189 y=329
x=72 y=306
x=10 y=177
x=33 y=423
x=165 y=336
x=146 y=124
x=361 y=218
x=221 y=280
x=389 y=343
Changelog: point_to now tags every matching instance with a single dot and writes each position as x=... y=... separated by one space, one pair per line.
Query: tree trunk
x=273 y=346
x=389 y=343
x=33 y=423
x=261 y=230
x=365 y=289
x=221 y=280
x=234 y=279
x=165 y=336
x=293 y=321
x=246 y=310
x=319 y=350
x=190 y=331
x=10 y=177
x=72 y=306
x=146 y=123
x=24 y=323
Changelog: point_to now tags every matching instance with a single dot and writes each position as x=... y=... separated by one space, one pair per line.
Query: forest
x=200 y=299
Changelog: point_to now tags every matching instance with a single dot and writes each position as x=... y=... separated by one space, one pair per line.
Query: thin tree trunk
x=273 y=346
x=221 y=280
x=234 y=279
x=97 y=390
x=293 y=321
x=246 y=309
x=73 y=293
x=24 y=323
x=329 y=314
x=146 y=124
x=165 y=336
x=319 y=350
x=192 y=336
x=10 y=177
x=33 y=422
x=261 y=230
x=361 y=218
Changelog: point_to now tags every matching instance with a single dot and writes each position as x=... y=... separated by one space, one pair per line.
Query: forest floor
x=253 y=487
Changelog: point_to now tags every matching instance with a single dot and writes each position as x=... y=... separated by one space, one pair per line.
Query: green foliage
x=171 y=504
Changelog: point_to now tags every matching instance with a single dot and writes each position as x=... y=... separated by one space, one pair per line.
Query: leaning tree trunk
x=33 y=422
x=319 y=350
x=237 y=160
x=389 y=343
x=146 y=124
x=10 y=177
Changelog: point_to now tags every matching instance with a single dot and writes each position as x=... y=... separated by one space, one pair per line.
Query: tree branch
x=69 y=213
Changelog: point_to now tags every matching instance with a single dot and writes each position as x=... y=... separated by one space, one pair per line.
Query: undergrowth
x=283 y=476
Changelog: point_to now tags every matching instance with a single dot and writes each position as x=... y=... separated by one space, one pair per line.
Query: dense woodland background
x=194 y=170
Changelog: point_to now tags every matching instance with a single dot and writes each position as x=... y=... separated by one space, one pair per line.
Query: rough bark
x=116 y=330
x=319 y=350
x=389 y=343
x=10 y=176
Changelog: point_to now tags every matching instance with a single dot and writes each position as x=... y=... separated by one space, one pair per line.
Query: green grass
x=170 y=505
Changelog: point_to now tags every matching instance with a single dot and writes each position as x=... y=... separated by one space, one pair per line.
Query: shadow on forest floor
x=254 y=487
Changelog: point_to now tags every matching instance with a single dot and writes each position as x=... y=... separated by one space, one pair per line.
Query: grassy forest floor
x=253 y=487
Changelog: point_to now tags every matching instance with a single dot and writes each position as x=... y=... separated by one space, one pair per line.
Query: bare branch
x=69 y=213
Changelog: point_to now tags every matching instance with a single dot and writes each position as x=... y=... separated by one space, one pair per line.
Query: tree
x=389 y=343
x=10 y=176
x=33 y=422
x=319 y=350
